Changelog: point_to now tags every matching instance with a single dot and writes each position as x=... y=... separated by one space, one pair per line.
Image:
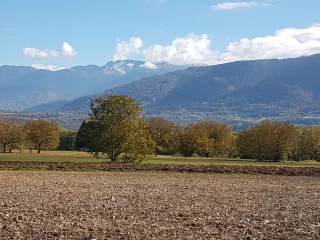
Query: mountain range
x=241 y=93
x=24 y=87
x=287 y=89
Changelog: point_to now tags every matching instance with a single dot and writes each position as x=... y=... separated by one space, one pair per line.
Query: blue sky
x=53 y=34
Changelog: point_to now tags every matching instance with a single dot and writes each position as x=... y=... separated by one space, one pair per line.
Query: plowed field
x=157 y=205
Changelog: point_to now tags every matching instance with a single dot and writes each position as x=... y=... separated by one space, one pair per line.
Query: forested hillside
x=240 y=93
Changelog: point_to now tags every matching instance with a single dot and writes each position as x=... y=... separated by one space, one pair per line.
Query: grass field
x=50 y=156
x=149 y=205
x=84 y=157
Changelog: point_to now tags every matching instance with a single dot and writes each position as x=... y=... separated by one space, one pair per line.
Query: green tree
x=43 y=134
x=87 y=138
x=81 y=135
x=67 y=140
x=116 y=127
x=11 y=134
x=165 y=134
x=81 y=138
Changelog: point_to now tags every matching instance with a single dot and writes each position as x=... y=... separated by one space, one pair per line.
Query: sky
x=61 y=34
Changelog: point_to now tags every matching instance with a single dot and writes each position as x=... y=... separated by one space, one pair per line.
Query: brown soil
x=150 y=205
x=289 y=171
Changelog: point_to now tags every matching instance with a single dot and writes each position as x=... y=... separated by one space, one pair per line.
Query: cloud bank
x=196 y=49
x=288 y=42
x=65 y=51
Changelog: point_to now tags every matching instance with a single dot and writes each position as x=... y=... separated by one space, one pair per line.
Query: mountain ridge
x=283 y=89
x=24 y=87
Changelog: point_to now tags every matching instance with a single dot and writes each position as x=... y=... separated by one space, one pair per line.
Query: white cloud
x=236 y=5
x=130 y=65
x=194 y=49
x=119 y=67
x=189 y=50
x=36 y=53
x=65 y=51
x=288 y=42
x=124 y=48
x=47 y=67
x=149 y=65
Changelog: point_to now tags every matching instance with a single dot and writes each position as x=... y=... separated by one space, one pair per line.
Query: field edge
x=133 y=167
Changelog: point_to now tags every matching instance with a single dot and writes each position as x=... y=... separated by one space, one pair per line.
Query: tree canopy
x=116 y=128
x=208 y=139
x=165 y=134
x=271 y=140
x=42 y=134
x=11 y=133
x=67 y=140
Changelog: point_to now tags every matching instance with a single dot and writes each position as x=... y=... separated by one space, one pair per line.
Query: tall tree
x=165 y=134
x=11 y=134
x=195 y=139
x=222 y=136
x=87 y=137
x=117 y=128
x=67 y=140
x=43 y=134
x=81 y=141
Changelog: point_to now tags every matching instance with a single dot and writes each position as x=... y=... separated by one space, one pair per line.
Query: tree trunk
x=30 y=150
x=4 y=147
x=39 y=147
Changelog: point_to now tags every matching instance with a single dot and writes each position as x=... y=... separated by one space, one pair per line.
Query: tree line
x=116 y=129
x=37 y=135
x=269 y=141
